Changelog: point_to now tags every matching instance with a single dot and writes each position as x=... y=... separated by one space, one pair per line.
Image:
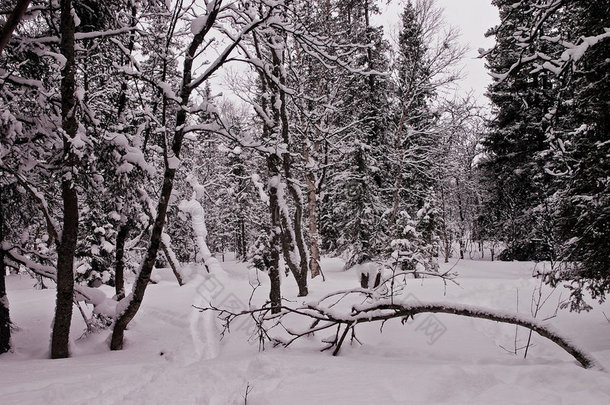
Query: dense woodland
x=148 y=133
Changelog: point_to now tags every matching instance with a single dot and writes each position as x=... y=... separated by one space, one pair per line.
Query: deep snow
x=172 y=353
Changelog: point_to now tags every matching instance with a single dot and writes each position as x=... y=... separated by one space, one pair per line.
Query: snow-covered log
x=385 y=310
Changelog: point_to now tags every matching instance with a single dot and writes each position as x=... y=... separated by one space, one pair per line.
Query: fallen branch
x=325 y=317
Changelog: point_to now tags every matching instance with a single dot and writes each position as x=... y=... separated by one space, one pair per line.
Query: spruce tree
x=551 y=60
x=353 y=208
x=514 y=178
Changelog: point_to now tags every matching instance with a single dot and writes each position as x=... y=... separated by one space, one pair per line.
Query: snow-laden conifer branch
x=532 y=40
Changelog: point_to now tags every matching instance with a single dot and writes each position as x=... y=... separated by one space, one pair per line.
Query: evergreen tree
x=579 y=153
x=353 y=207
x=515 y=179
x=556 y=74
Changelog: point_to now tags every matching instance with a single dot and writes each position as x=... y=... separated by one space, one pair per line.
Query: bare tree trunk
x=446 y=237
x=398 y=174
x=274 y=267
x=293 y=188
x=312 y=206
x=171 y=260
x=135 y=299
x=312 y=213
x=291 y=234
x=67 y=246
x=119 y=270
x=287 y=232
x=119 y=276
x=12 y=22
x=5 y=319
x=123 y=93
x=243 y=248
x=462 y=246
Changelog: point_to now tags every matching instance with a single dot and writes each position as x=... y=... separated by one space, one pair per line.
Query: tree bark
x=275 y=295
x=167 y=251
x=243 y=249
x=119 y=270
x=135 y=298
x=288 y=228
x=375 y=313
x=312 y=206
x=13 y=20
x=287 y=232
x=5 y=319
x=400 y=150
x=445 y=231
x=67 y=246
x=295 y=193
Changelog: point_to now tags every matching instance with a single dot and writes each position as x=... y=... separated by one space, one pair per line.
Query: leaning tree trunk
x=187 y=87
x=11 y=23
x=135 y=298
x=67 y=245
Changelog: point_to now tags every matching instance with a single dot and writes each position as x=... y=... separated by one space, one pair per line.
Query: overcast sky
x=473 y=18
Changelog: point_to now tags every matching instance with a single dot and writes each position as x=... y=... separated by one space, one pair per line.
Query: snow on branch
x=101 y=303
x=576 y=51
x=82 y=35
x=53 y=228
x=234 y=42
x=197 y=213
x=528 y=37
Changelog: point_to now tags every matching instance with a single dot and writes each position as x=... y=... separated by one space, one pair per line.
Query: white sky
x=473 y=18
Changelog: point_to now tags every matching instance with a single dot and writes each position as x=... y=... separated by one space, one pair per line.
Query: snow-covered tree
x=550 y=63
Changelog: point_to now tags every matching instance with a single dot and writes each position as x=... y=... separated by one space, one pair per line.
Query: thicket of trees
x=118 y=152
x=547 y=190
x=110 y=120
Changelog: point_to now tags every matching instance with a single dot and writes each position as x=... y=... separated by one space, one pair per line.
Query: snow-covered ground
x=172 y=353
